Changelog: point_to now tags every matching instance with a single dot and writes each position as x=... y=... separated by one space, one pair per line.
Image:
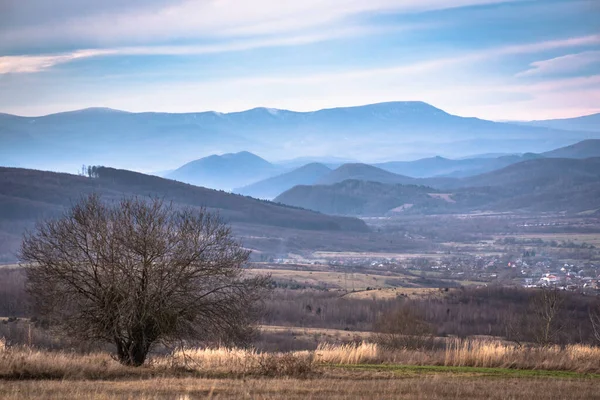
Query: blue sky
x=498 y=60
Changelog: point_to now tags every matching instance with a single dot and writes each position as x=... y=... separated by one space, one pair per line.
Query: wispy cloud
x=437 y=64
x=158 y=20
x=563 y=64
x=37 y=63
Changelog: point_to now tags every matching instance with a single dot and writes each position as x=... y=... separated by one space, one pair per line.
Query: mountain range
x=272 y=187
x=434 y=171
x=545 y=184
x=589 y=123
x=163 y=141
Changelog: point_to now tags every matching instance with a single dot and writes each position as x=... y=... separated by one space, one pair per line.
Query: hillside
x=547 y=184
x=444 y=167
x=589 y=123
x=354 y=197
x=28 y=195
x=532 y=174
x=464 y=167
x=225 y=172
x=161 y=141
x=272 y=187
x=584 y=149
x=363 y=172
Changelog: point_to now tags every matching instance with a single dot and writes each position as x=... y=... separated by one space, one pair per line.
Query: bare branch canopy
x=138 y=272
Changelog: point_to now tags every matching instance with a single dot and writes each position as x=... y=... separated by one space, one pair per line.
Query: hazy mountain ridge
x=435 y=172
x=363 y=172
x=583 y=123
x=354 y=197
x=272 y=187
x=225 y=171
x=547 y=184
x=444 y=167
x=584 y=149
x=160 y=141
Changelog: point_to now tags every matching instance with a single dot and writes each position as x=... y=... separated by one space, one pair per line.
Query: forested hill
x=26 y=195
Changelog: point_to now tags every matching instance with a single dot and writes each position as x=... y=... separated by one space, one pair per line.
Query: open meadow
x=465 y=370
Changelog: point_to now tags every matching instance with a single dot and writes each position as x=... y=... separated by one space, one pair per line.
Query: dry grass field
x=577 y=238
x=342 y=386
x=323 y=335
x=367 y=255
x=332 y=280
x=467 y=369
x=390 y=293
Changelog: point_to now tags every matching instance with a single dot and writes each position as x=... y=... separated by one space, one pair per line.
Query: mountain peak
x=93 y=110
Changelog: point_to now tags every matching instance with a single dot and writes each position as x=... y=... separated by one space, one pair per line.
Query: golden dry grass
x=331 y=279
x=328 y=335
x=391 y=293
x=223 y=373
x=441 y=386
x=23 y=363
x=578 y=238
x=481 y=353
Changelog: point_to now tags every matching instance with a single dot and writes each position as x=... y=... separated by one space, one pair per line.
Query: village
x=529 y=270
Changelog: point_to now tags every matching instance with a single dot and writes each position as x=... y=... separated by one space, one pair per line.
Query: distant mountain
x=530 y=175
x=354 y=197
x=589 y=123
x=584 y=149
x=28 y=195
x=363 y=172
x=226 y=171
x=440 y=166
x=370 y=173
x=329 y=162
x=159 y=141
x=272 y=187
x=444 y=167
x=545 y=184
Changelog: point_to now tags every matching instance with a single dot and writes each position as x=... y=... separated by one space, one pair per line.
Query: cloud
x=66 y=21
x=37 y=63
x=561 y=65
x=30 y=64
x=435 y=64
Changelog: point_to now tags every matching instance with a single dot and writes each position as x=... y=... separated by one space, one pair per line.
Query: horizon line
x=272 y=109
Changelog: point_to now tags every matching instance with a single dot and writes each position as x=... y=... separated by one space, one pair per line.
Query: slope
x=353 y=197
x=363 y=172
x=547 y=184
x=585 y=123
x=226 y=171
x=528 y=175
x=272 y=187
x=440 y=166
x=584 y=149
x=29 y=194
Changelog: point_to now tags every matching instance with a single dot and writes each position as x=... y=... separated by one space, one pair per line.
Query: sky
x=493 y=59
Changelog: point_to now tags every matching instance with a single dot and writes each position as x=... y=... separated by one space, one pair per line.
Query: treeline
x=516 y=314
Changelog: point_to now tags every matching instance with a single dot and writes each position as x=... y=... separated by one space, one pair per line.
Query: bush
x=404 y=328
x=298 y=365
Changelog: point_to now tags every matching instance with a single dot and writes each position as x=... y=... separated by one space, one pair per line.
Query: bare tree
x=139 y=272
x=594 y=316
x=545 y=308
x=404 y=327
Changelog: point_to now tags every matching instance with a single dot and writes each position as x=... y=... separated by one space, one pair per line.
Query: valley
x=275 y=199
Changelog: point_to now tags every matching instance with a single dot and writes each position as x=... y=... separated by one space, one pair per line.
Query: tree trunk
x=133 y=353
